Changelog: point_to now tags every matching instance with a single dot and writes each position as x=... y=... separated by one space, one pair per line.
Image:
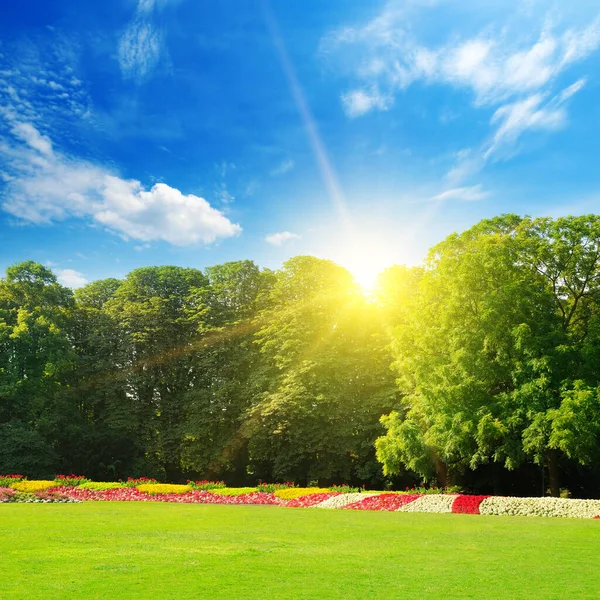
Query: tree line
x=480 y=368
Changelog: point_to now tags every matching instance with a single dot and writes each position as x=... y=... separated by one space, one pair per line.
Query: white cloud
x=360 y=102
x=30 y=135
x=494 y=66
x=465 y=194
x=284 y=167
x=71 y=278
x=278 y=239
x=530 y=114
x=511 y=68
x=142 y=45
x=45 y=186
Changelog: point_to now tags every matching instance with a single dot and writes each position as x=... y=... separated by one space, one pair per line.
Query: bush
x=32 y=486
x=6 y=480
x=132 y=482
x=206 y=485
x=346 y=489
x=42 y=497
x=70 y=480
x=6 y=494
x=100 y=486
x=271 y=488
x=163 y=488
x=420 y=489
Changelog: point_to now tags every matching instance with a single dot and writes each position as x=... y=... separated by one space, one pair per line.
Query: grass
x=148 y=550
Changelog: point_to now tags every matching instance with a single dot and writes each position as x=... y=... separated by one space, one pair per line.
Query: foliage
x=346 y=489
x=270 y=488
x=206 y=485
x=136 y=481
x=70 y=480
x=6 y=480
x=496 y=351
x=238 y=374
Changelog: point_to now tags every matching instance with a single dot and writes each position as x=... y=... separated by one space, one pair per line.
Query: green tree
x=502 y=324
x=328 y=382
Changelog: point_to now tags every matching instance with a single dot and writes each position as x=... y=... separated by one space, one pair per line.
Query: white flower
x=540 y=507
x=431 y=503
x=342 y=500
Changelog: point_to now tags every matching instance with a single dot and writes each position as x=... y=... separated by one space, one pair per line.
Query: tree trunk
x=441 y=472
x=553 y=472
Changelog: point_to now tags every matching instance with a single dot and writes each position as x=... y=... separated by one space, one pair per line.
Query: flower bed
x=468 y=505
x=382 y=502
x=431 y=503
x=309 y=500
x=291 y=493
x=32 y=486
x=163 y=488
x=340 y=500
x=76 y=488
x=190 y=497
x=540 y=507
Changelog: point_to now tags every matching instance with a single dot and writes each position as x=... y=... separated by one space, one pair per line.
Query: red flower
x=387 y=502
x=467 y=504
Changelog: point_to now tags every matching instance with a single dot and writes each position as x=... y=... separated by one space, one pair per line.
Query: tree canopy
x=480 y=367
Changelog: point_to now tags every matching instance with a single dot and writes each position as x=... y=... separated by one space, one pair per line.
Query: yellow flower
x=291 y=493
x=163 y=488
x=33 y=486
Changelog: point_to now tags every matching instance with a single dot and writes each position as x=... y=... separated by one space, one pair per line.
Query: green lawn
x=147 y=550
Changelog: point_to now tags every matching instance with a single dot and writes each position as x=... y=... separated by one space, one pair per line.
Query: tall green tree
x=230 y=364
x=329 y=379
x=499 y=338
x=152 y=311
x=35 y=361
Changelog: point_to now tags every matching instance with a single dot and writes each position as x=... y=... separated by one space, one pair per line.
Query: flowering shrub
x=540 y=507
x=126 y=494
x=340 y=500
x=309 y=500
x=291 y=493
x=70 y=480
x=234 y=491
x=271 y=488
x=467 y=504
x=422 y=490
x=346 y=489
x=211 y=492
x=6 y=480
x=44 y=496
x=133 y=482
x=387 y=502
x=6 y=494
x=101 y=485
x=163 y=488
x=206 y=485
x=32 y=486
x=430 y=503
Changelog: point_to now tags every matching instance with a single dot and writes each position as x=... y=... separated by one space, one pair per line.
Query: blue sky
x=147 y=132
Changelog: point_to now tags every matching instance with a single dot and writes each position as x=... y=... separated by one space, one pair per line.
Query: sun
x=367 y=253
x=365 y=263
x=366 y=279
